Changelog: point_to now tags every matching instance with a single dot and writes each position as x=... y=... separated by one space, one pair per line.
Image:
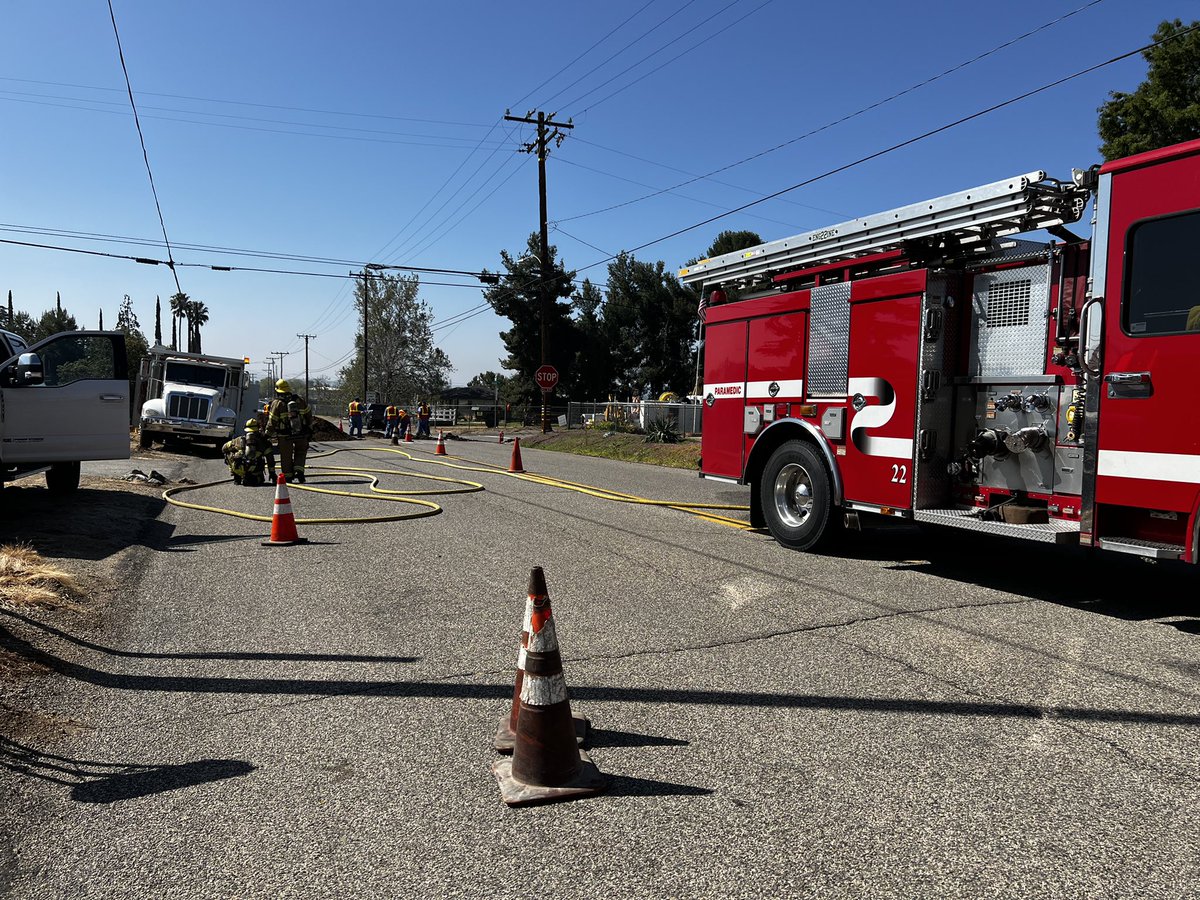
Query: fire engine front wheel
x=796 y=496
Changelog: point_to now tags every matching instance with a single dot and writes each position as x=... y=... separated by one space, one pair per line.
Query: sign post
x=546 y=378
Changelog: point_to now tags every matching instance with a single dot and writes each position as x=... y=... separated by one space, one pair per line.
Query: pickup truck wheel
x=62 y=478
x=796 y=496
x=145 y=439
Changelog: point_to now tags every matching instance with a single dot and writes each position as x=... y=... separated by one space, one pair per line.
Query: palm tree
x=197 y=314
x=178 y=303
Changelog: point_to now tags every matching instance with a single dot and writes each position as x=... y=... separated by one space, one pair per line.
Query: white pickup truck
x=62 y=401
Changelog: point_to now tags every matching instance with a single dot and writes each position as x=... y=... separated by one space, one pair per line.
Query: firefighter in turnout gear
x=290 y=422
x=247 y=455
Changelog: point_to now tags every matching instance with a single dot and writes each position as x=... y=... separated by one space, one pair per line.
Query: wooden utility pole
x=539 y=146
x=307 y=338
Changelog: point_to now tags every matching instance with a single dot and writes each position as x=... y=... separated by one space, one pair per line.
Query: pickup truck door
x=79 y=411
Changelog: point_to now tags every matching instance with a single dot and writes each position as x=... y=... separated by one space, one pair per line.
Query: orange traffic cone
x=340 y=428
x=440 y=450
x=283 y=523
x=546 y=764
x=506 y=733
x=515 y=464
x=501 y=441
x=408 y=439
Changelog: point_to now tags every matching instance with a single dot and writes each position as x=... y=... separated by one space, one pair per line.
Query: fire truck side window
x=1162 y=283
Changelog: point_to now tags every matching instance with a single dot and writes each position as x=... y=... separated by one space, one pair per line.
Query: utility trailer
x=924 y=364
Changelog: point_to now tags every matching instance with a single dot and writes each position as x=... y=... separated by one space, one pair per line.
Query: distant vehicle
x=193 y=396
x=62 y=401
x=374 y=419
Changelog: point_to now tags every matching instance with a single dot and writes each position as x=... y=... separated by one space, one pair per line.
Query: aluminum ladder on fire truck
x=966 y=222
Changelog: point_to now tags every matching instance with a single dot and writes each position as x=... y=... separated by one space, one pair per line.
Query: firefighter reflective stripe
x=724 y=391
x=1180 y=467
x=766 y=390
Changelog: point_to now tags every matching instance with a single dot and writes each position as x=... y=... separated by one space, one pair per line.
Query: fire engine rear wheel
x=796 y=496
x=62 y=478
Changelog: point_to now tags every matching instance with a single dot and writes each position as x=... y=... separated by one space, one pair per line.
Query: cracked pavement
x=917 y=715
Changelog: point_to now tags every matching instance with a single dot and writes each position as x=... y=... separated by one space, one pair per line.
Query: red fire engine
x=923 y=364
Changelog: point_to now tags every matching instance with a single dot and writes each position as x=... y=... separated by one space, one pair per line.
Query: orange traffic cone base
x=506 y=738
x=588 y=782
x=298 y=540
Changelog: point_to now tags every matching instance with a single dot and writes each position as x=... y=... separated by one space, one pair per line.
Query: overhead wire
x=142 y=140
x=846 y=118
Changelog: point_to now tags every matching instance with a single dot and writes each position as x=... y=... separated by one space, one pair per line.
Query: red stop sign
x=546 y=377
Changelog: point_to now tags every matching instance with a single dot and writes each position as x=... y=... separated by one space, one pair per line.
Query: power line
x=842 y=119
x=907 y=142
x=142 y=139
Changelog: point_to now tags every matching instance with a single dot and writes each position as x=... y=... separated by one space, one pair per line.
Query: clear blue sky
x=372 y=131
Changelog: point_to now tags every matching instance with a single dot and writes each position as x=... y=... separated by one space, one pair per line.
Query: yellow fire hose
x=700 y=510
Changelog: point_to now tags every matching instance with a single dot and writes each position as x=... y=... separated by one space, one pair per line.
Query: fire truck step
x=1138 y=547
x=1056 y=531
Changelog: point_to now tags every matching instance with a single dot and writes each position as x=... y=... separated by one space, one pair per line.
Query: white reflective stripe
x=283 y=508
x=521 y=659
x=545 y=641
x=892 y=448
x=543 y=690
x=1178 y=467
x=762 y=389
x=726 y=390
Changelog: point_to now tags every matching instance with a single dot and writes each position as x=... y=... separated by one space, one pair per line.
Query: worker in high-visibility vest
x=403 y=424
x=355 y=410
x=391 y=417
x=423 y=419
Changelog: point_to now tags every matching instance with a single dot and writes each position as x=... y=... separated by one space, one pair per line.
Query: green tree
x=405 y=364
x=197 y=315
x=178 y=304
x=136 y=345
x=1165 y=108
x=157 y=320
x=650 y=323
x=10 y=310
x=593 y=365
x=53 y=321
x=518 y=298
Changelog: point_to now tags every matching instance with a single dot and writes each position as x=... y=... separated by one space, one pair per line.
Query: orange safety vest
x=391 y=412
x=354 y=408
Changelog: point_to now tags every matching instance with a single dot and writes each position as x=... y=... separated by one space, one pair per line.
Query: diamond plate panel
x=1010 y=322
x=829 y=340
x=1056 y=531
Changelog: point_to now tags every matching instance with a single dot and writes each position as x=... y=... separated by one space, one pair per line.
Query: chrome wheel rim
x=793 y=495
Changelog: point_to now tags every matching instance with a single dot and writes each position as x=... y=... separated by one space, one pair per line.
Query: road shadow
x=627 y=786
x=266 y=656
x=92 y=523
x=92 y=781
x=501 y=693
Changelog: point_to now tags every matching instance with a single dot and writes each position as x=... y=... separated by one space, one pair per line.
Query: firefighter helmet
x=282 y=387
x=252 y=424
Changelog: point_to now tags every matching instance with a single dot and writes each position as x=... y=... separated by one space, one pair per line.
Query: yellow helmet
x=252 y=424
x=282 y=387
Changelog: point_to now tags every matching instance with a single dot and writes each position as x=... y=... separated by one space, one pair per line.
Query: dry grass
x=26 y=579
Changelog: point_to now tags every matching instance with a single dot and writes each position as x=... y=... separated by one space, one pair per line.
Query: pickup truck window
x=78 y=357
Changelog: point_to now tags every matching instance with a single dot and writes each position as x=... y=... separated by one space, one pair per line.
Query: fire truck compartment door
x=1149 y=436
x=722 y=442
x=882 y=387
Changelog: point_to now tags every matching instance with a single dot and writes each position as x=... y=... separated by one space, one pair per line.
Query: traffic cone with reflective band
x=546 y=765
x=408 y=438
x=515 y=464
x=506 y=733
x=283 y=523
x=440 y=450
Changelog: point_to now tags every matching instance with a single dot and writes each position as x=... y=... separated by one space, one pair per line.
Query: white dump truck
x=193 y=396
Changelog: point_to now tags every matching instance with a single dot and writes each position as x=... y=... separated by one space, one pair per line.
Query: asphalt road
x=918 y=715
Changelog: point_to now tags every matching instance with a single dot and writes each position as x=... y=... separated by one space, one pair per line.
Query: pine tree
x=157 y=320
x=10 y=310
x=101 y=326
x=58 y=301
